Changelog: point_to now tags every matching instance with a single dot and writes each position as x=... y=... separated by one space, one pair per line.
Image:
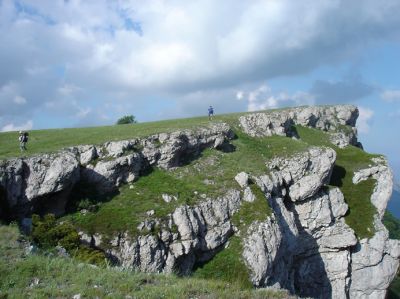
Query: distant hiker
x=210 y=112
x=23 y=139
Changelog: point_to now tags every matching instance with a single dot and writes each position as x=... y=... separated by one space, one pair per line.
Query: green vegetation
x=392 y=224
x=127 y=119
x=226 y=266
x=258 y=210
x=38 y=276
x=47 y=141
x=47 y=233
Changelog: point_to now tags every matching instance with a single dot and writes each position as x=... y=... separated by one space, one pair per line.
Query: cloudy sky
x=81 y=63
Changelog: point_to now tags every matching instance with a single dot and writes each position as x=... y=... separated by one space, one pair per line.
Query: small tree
x=127 y=119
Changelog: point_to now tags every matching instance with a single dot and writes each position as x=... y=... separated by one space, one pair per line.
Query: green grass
x=65 y=277
x=52 y=140
x=227 y=266
x=249 y=212
x=45 y=141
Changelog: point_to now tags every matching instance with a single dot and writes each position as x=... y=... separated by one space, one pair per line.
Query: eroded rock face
x=26 y=180
x=192 y=234
x=316 y=254
x=375 y=261
x=329 y=118
x=47 y=179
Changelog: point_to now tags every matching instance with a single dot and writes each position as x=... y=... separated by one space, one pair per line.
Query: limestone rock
x=106 y=175
x=248 y=195
x=260 y=250
x=26 y=180
x=242 y=179
x=323 y=118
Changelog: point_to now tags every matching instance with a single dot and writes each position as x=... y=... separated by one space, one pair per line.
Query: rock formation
x=304 y=246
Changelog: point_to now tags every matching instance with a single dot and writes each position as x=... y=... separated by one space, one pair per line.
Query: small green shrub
x=47 y=233
x=127 y=119
x=90 y=255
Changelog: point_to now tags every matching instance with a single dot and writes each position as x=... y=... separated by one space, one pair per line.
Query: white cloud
x=12 y=127
x=19 y=100
x=364 y=118
x=390 y=95
x=262 y=98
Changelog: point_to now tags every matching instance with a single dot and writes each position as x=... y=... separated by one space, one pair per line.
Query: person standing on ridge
x=210 y=112
x=23 y=139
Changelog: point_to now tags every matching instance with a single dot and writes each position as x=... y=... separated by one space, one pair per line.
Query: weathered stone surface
x=28 y=179
x=200 y=231
x=263 y=124
x=323 y=118
x=248 y=195
x=303 y=174
x=106 y=175
x=242 y=179
x=260 y=250
x=342 y=139
x=87 y=153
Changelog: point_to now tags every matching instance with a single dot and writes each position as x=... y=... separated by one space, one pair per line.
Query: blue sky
x=84 y=63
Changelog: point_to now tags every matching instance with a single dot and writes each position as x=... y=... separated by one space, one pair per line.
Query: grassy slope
x=64 y=277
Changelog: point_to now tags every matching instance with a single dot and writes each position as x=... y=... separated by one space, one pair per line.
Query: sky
x=72 y=63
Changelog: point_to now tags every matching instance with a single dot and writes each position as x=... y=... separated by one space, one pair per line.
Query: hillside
x=268 y=199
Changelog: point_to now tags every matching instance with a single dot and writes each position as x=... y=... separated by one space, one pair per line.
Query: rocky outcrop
x=330 y=118
x=44 y=181
x=38 y=180
x=375 y=261
x=307 y=247
x=188 y=235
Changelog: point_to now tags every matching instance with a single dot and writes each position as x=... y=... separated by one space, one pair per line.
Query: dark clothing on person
x=210 y=112
x=23 y=139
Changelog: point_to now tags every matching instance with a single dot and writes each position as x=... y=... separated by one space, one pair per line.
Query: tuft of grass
x=227 y=265
x=249 y=212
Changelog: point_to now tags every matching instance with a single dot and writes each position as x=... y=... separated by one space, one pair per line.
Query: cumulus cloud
x=13 y=127
x=390 y=95
x=262 y=98
x=175 y=47
x=363 y=122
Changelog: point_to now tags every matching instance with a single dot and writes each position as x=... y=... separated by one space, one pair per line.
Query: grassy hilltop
x=224 y=276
